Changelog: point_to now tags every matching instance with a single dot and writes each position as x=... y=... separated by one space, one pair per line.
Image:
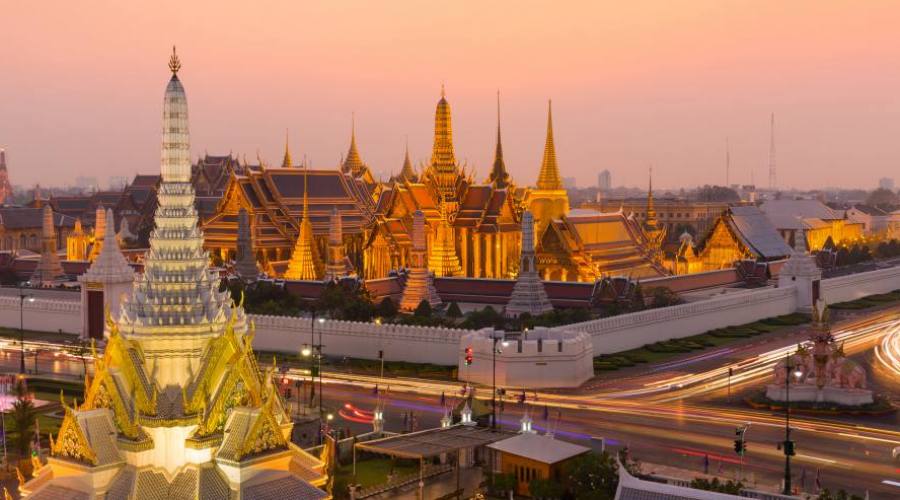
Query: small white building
x=532 y=359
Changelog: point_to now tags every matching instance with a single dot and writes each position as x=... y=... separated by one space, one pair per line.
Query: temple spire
x=286 y=163
x=443 y=169
x=353 y=164
x=174 y=63
x=407 y=173
x=499 y=177
x=304 y=264
x=549 y=178
x=651 y=208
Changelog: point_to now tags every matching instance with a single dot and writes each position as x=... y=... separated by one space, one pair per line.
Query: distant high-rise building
x=569 y=182
x=6 y=192
x=883 y=183
x=604 y=180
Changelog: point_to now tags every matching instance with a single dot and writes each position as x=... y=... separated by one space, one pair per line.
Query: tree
x=346 y=299
x=453 y=310
x=545 y=489
x=594 y=477
x=386 y=308
x=423 y=310
x=882 y=198
x=731 y=487
x=826 y=494
x=24 y=419
x=503 y=483
x=664 y=297
x=717 y=194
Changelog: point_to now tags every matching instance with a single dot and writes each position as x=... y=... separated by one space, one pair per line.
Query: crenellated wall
x=537 y=359
x=42 y=314
x=416 y=344
x=855 y=286
x=629 y=331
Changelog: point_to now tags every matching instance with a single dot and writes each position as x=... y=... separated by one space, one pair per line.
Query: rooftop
x=539 y=447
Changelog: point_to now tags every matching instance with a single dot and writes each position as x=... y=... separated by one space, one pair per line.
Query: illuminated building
x=77 y=243
x=814 y=219
x=471 y=229
x=274 y=200
x=586 y=245
x=740 y=233
x=178 y=406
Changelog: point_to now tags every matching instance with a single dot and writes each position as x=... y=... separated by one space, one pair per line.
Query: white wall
x=415 y=344
x=43 y=314
x=563 y=359
x=629 y=331
x=859 y=285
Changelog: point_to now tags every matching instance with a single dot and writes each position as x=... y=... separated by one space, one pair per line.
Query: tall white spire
x=177 y=295
x=176 y=144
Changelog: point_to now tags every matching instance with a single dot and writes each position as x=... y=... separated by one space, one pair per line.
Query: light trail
x=888 y=352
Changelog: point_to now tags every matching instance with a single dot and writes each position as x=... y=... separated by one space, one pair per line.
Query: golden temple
x=473 y=229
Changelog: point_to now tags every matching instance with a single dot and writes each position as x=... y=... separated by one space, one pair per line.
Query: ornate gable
x=71 y=442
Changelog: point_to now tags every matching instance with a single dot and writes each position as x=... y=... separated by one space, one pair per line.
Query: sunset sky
x=633 y=84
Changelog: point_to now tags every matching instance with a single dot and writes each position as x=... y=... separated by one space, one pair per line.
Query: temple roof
x=273 y=198
x=599 y=243
x=28 y=218
x=757 y=232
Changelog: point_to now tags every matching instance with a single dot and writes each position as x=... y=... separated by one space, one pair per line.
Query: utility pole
x=788 y=445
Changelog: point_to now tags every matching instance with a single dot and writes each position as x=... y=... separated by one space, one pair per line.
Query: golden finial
x=443 y=95
x=174 y=62
x=286 y=163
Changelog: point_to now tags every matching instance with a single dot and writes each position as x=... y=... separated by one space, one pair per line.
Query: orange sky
x=633 y=83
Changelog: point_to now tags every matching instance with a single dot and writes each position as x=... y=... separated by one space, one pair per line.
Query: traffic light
x=740 y=446
x=380 y=354
x=468 y=355
x=788 y=448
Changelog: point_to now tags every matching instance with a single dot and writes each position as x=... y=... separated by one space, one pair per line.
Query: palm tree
x=24 y=419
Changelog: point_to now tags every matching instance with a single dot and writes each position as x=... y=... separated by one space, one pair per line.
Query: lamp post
x=316 y=363
x=788 y=445
x=494 y=351
x=22 y=297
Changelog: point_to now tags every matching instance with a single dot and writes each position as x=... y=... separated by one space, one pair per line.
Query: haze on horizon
x=633 y=84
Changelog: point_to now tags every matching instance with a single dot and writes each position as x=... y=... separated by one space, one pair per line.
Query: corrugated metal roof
x=758 y=232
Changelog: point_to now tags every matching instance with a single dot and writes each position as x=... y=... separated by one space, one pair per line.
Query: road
x=671 y=417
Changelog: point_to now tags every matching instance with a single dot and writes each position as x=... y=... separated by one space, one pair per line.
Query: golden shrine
x=177 y=406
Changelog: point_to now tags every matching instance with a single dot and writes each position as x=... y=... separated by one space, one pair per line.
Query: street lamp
x=22 y=297
x=788 y=445
x=494 y=351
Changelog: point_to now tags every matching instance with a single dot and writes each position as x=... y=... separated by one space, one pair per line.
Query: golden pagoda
x=177 y=406
x=442 y=260
x=472 y=229
x=304 y=263
x=77 y=243
x=549 y=200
